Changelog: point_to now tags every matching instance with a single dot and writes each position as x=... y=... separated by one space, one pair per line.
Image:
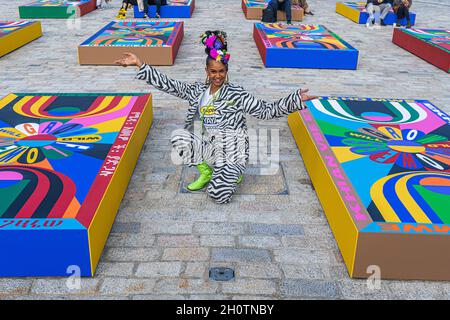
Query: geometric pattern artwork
x=155 y=42
x=253 y=10
x=15 y=34
x=303 y=46
x=56 y=9
x=381 y=169
x=65 y=162
x=432 y=45
x=356 y=11
x=173 y=9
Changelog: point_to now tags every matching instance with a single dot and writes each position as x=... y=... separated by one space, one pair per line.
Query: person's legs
x=193 y=150
x=286 y=7
x=370 y=10
x=384 y=10
x=145 y=8
x=158 y=8
x=224 y=181
x=408 y=17
x=305 y=7
x=123 y=9
x=274 y=5
x=376 y=10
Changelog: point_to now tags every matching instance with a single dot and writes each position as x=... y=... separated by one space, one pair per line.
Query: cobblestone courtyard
x=274 y=233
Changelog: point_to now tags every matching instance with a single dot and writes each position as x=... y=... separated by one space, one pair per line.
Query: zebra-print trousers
x=226 y=155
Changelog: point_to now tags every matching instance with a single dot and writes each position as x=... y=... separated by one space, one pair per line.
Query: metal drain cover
x=221 y=274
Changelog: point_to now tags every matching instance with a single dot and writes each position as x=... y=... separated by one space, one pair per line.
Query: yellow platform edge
x=338 y=216
x=347 y=12
x=19 y=38
x=105 y=215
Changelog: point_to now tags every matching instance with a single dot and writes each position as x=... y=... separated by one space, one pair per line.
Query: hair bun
x=216 y=46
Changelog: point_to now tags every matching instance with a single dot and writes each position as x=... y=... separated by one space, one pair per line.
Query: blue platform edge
x=390 y=19
x=35 y=252
x=166 y=12
x=312 y=58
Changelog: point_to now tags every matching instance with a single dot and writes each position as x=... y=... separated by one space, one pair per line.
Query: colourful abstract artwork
x=155 y=42
x=6 y=27
x=58 y=156
x=437 y=37
x=406 y=146
x=432 y=45
x=360 y=6
x=302 y=36
x=256 y=3
x=136 y=34
x=56 y=3
x=303 y=46
x=390 y=163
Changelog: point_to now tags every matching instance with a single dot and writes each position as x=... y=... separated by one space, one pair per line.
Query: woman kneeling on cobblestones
x=219 y=146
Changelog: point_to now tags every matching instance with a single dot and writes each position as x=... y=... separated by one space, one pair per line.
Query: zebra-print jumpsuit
x=227 y=148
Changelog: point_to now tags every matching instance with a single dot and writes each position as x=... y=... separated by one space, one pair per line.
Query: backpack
x=269 y=15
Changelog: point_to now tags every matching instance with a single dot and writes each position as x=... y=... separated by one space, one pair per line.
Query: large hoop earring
x=207 y=80
x=227 y=79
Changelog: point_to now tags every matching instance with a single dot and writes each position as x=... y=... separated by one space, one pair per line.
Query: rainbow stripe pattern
x=65 y=160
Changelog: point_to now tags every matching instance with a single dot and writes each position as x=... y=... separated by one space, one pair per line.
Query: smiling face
x=217 y=73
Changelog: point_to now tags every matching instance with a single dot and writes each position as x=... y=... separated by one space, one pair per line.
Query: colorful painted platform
x=15 y=34
x=381 y=169
x=253 y=10
x=173 y=9
x=303 y=46
x=56 y=9
x=356 y=11
x=65 y=162
x=432 y=45
x=157 y=43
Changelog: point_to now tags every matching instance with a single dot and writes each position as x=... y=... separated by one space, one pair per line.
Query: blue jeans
x=283 y=6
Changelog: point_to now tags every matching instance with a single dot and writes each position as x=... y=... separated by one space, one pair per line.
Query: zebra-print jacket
x=231 y=105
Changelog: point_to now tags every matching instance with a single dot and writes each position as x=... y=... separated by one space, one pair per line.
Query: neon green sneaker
x=204 y=178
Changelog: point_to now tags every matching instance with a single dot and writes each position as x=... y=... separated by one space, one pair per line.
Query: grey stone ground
x=164 y=241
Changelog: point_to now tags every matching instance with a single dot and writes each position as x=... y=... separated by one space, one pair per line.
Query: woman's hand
x=304 y=96
x=129 y=59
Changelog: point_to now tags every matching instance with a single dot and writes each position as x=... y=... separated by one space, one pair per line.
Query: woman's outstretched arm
x=268 y=110
x=157 y=79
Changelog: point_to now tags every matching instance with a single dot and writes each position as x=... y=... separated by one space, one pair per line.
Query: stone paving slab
x=164 y=241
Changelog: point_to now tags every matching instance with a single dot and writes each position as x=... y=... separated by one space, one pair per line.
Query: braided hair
x=216 y=46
